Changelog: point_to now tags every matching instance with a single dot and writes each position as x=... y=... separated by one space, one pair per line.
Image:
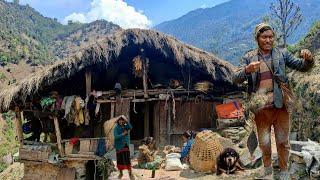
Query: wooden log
x=18 y=126
x=58 y=135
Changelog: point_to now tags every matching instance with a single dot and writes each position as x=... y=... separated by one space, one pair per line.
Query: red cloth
x=231 y=110
x=123 y=167
x=74 y=140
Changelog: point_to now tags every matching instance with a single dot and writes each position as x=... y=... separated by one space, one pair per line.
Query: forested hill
x=28 y=40
x=27 y=35
x=227 y=29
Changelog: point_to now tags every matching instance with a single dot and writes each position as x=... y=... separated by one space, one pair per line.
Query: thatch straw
x=109 y=50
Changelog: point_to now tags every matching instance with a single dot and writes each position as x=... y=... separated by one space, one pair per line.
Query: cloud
x=203 y=6
x=116 y=11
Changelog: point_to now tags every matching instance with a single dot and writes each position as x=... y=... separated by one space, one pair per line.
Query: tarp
x=231 y=110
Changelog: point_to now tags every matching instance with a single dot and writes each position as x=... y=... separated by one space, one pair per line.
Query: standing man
x=263 y=68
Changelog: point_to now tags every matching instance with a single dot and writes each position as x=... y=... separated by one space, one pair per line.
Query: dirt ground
x=162 y=174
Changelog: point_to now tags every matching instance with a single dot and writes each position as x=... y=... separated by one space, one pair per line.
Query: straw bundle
x=137 y=66
x=203 y=86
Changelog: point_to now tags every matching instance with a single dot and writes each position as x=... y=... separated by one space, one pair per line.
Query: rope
x=173 y=106
x=134 y=103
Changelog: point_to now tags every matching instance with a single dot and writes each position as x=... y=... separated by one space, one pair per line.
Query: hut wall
x=123 y=107
x=189 y=115
x=160 y=122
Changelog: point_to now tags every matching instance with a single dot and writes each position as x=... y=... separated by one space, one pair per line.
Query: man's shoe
x=264 y=173
x=284 y=175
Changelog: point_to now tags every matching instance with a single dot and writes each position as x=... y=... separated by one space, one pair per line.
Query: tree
x=16 y=1
x=288 y=17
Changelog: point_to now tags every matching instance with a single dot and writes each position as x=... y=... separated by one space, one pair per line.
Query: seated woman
x=187 y=138
x=148 y=158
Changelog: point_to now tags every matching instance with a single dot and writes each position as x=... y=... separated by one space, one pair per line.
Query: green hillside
x=306 y=116
x=25 y=34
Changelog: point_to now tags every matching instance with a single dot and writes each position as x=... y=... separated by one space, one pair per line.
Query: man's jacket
x=280 y=60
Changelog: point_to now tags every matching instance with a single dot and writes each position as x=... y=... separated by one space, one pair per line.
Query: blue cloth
x=121 y=140
x=186 y=148
x=101 y=149
x=280 y=60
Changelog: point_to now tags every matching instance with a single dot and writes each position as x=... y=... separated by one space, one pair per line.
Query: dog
x=228 y=162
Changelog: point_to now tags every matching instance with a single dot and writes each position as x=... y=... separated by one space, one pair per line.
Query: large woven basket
x=204 y=151
x=109 y=126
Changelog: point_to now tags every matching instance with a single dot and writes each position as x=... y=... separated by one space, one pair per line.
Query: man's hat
x=259 y=27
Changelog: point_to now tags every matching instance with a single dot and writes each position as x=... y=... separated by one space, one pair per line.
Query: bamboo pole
x=58 y=134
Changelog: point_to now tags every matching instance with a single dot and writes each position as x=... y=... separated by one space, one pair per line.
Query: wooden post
x=112 y=109
x=58 y=134
x=169 y=123
x=145 y=78
x=146 y=120
x=88 y=90
x=88 y=82
x=18 y=126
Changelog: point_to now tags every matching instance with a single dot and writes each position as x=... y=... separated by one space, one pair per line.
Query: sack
x=173 y=162
x=287 y=94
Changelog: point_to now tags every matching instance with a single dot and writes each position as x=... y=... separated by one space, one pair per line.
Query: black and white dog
x=228 y=162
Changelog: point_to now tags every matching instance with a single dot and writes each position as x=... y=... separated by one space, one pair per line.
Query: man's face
x=266 y=40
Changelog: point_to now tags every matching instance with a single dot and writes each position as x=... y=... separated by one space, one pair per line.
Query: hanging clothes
x=66 y=104
x=79 y=105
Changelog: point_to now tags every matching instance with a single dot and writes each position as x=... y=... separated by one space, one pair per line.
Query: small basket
x=204 y=151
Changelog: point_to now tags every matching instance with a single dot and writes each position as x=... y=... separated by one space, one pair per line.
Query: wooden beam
x=150 y=92
x=146 y=120
x=58 y=134
x=131 y=100
x=18 y=126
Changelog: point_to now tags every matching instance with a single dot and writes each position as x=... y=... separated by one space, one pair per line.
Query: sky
x=126 y=13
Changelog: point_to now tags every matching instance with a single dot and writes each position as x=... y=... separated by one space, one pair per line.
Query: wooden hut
x=167 y=87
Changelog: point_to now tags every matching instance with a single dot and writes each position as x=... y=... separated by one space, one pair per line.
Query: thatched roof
x=110 y=49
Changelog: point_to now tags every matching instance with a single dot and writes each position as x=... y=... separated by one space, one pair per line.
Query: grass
x=8 y=143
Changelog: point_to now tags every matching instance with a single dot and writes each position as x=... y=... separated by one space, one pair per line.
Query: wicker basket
x=109 y=127
x=204 y=151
